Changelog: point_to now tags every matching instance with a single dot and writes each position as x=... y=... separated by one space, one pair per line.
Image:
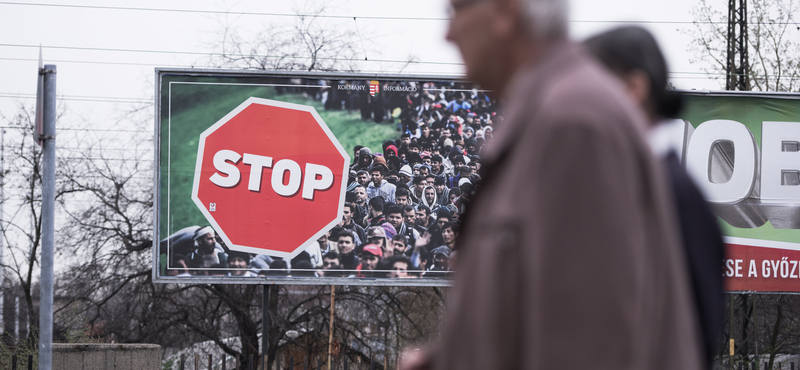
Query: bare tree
x=308 y=43
x=773 y=54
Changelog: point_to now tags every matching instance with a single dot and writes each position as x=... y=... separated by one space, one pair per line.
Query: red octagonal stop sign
x=269 y=177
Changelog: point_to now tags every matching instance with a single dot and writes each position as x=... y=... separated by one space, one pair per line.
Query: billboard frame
x=270 y=280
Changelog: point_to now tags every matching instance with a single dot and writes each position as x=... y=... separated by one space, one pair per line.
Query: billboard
x=743 y=150
x=306 y=178
x=266 y=177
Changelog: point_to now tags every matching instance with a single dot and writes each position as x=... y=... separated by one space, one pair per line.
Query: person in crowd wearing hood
x=429 y=198
x=390 y=151
x=379 y=186
x=424 y=170
x=364 y=160
x=442 y=191
x=632 y=54
x=471 y=145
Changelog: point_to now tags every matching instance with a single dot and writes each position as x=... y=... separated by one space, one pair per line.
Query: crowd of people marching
x=404 y=203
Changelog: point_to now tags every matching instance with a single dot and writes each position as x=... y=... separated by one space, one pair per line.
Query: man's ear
x=508 y=19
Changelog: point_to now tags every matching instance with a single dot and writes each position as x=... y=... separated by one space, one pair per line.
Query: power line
x=222 y=54
x=80 y=98
x=245 y=55
x=190 y=66
x=330 y=16
x=79 y=129
x=199 y=11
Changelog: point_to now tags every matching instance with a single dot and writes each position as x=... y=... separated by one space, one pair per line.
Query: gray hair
x=546 y=18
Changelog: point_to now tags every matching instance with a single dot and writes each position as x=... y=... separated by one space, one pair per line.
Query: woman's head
x=633 y=55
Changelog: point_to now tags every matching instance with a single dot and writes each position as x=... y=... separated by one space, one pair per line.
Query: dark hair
x=436 y=158
x=346 y=233
x=408 y=208
x=377 y=203
x=351 y=205
x=417 y=180
x=401 y=192
x=393 y=208
x=452 y=226
x=400 y=237
x=380 y=168
x=331 y=255
x=401 y=258
x=625 y=49
x=422 y=207
x=242 y=255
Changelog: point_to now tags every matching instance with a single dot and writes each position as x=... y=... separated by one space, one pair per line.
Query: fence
x=203 y=362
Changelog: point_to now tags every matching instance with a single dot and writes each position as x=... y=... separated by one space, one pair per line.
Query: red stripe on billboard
x=751 y=268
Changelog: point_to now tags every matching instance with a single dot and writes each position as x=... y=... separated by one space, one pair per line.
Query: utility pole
x=48 y=140
x=738 y=67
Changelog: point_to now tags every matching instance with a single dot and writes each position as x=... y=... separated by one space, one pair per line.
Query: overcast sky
x=147 y=38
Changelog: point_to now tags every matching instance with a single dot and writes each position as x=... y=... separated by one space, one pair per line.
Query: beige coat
x=571 y=258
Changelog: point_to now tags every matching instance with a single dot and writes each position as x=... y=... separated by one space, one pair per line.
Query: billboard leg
x=330 y=326
x=265 y=324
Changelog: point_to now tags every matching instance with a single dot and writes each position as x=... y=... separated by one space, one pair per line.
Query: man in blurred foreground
x=570 y=255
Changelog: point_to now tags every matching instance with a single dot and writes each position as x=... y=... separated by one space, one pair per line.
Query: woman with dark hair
x=633 y=55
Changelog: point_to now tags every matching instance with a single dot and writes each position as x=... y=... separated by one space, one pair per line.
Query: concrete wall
x=106 y=356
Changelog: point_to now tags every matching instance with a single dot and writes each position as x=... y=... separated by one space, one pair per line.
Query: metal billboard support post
x=330 y=327
x=265 y=325
x=48 y=218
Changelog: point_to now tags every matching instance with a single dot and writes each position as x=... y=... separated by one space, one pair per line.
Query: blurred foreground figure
x=633 y=55
x=570 y=256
